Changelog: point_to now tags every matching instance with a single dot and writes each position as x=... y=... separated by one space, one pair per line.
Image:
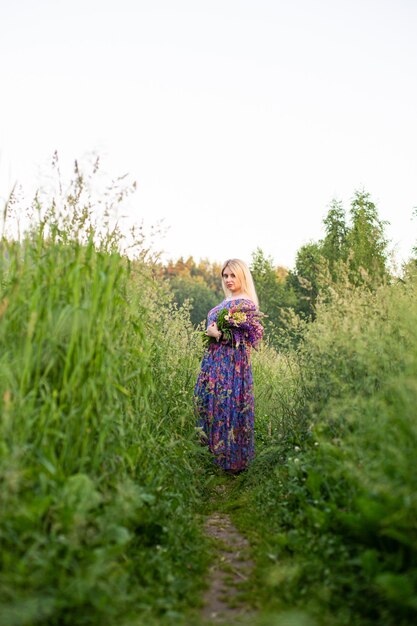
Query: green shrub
x=336 y=504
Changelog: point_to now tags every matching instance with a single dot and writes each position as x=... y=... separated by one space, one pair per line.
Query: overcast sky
x=239 y=119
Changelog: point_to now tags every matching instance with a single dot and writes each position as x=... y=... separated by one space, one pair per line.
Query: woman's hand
x=213 y=331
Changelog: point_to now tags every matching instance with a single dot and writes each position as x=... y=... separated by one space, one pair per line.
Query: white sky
x=239 y=119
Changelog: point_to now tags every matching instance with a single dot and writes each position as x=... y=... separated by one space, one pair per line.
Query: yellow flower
x=239 y=317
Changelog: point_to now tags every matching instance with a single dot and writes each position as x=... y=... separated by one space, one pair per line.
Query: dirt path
x=231 y=567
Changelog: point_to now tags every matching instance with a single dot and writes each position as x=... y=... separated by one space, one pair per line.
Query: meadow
x=100 y=476
x=103 y=483
x=330 y=501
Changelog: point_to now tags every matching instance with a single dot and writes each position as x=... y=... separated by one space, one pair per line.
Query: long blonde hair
x=242 y=273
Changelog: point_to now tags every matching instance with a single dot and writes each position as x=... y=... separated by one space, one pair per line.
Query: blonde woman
x=223 y=395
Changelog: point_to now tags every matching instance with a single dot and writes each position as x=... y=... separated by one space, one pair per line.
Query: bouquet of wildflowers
x=239 y=324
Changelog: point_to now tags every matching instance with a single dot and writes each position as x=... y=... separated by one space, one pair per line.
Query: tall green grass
x=101 y=478
x=333 y=508
x=99 y=487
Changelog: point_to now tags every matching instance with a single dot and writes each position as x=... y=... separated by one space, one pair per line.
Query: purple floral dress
x=223 y=395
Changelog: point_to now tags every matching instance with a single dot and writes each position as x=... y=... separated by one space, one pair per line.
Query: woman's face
x=231 y=281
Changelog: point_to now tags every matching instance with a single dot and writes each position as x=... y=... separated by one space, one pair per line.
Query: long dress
x=223 y=396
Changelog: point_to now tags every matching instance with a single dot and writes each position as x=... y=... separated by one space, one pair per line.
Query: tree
x=274 y=292
x=366 y=242
x=264 y=275
x=199 y=283
x=334 y=246
x=200 y=296
x=305 y=278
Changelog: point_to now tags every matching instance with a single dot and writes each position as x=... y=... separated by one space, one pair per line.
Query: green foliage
x=305 y=280
x=332 y=497
x=223 y=325
x=335 y=246
x=100 y=475
x=366 y=241
x=197 y=293
x=356 y=252
x=98 y=470
x=196 y=284
x=277 y=297
x=277 y=396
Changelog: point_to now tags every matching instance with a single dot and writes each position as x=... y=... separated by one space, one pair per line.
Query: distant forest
x=354 y=251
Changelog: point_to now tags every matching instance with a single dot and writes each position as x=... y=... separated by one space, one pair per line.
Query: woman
x=223 y=395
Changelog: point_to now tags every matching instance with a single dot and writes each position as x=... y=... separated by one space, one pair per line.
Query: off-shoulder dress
x=223 y=394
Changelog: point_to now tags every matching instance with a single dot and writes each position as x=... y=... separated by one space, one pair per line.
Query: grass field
x=103 y=485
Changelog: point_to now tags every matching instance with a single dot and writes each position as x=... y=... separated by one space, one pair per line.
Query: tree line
x=354 y=250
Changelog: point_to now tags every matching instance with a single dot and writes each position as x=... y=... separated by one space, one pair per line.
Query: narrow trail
x=231 y=568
